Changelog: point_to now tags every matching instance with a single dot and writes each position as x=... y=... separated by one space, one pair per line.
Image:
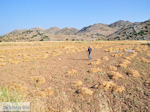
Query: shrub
x=117 y=38
x=141 y=32
x=45 y=37
x=41 y=39
x=33 y=36
x=98 y=34
x=8 y=95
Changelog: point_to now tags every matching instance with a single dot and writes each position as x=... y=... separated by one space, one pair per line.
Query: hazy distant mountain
x=120 y=30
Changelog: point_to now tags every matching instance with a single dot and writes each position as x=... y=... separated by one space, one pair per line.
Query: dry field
x=58 y=77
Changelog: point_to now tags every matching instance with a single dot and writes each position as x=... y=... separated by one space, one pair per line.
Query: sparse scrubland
x=58 y=77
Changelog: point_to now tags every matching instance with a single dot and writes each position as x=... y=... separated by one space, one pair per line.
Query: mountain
x=120 y=24
x=120 y=30
x=97 y=29
x=52 y=30
x=134 y=31
x=67 y=31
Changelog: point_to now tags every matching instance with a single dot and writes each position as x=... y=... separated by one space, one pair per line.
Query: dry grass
x=114 y=75
x=60 y=92
x=95 y=70
x=18 y=87
x=148 y=54
x=2 y=64
x=124 y=63
x=38 y=80
x=111 y=86
x=73 y=71
x=85 y=91
x=39 y=94
x=145 y=60
x=128 y=58
x=49 y=91
x=112 y=68
x=96 y=62
x=38 y=105
x=137 y=49
x=133 y=73
x=78 y=83
x=105 y=58
x=117 y=55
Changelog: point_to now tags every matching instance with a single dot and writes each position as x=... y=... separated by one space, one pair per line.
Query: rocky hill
x=97 y=29
x=67 y=31
x=52 y=30
x=134 y=31
x=120 y=30
x=119 y=24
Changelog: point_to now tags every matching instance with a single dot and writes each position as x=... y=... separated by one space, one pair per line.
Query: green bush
x=117 y=38
x=33 y=36
x=41 y=39
x=98 y=34
x=8 y=95
x=141 y=32
x=45 y=37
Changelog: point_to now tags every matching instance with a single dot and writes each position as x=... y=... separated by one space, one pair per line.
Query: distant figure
x=90 y=50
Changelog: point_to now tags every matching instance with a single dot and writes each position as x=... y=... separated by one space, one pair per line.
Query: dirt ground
x=117 y=79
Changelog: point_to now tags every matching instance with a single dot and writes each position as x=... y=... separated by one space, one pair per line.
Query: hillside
x=97 y=29
x=134 y=31
x=120 y=30
x=120 y=24
x=67 y=31
x=52 y=30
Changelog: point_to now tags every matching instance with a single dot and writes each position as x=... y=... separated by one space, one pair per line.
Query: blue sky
x=23 y=14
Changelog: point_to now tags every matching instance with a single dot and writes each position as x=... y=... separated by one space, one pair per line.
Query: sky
x=25 y=14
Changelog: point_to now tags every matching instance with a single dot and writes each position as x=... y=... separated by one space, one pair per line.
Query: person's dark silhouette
x=90 y=50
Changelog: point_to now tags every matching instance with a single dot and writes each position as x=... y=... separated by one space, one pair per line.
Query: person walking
x=90 y=50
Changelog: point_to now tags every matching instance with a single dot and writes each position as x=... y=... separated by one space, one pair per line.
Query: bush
x=45 y=37
x=98 y=34
x=7 y=95
x=146 y=27
x=141 y=32
x=33 y=36
x=117 y=38
x=41 y=39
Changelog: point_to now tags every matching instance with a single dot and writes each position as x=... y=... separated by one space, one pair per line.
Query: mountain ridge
x=119 y=30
